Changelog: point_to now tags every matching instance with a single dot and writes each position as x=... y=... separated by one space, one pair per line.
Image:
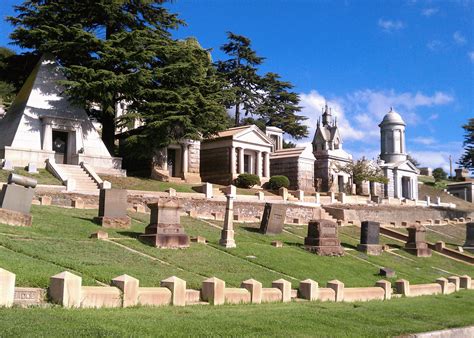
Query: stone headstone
x=32 y=169
x=387 y=272
x=277 y=244
x=469 y=236
x=16 y=198
x=99 y=235
x=113 y=209
x=165 y=229
x=25 y=297
x=369 y=238
x=322 y=238
x=227 y=233
x=273 y=219
x=416 y=243
x=7 y=165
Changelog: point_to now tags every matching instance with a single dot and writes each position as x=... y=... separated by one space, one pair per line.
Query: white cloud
x=471 y=55
x=459 y=39
x=390 y=25
x=424 y=140
x=312 y=104
x=429 y=11
x=433 y=117
x=433 y=159
x=435 y=45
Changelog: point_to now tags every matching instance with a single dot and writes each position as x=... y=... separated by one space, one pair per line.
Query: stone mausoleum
x=401 y=173
x=43 y=125
x=327 y=149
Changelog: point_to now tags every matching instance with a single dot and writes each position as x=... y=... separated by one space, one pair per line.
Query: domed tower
x=392 y=132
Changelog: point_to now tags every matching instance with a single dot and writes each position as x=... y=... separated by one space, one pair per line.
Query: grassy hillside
x=43 y=176
x=59 y=241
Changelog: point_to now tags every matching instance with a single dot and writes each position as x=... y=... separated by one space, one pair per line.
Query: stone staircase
x=326 y=215
x=84 y=183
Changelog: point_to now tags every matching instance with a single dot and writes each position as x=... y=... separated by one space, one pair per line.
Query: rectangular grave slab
x=369 y=238
x=113 y=209
x=16 y=198
x=322 y=238
x=273 y=219
x=165 y=230
x=387 y=272
x=416 y=243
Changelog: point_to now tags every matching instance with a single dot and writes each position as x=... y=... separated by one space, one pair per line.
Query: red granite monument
x=416 y=243
x=322 y=238
x=165 y=229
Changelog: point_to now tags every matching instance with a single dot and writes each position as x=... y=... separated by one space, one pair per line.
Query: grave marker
x=369 y=238
x=416 y=243
x=322 y=238
x=273 y=219
x=16 y=198
x=113 y=209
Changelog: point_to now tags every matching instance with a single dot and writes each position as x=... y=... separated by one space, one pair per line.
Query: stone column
x=185 y=160
x=164 y=158
x=227 y=233
x=232 y=161
x=258 y=163
x=7 y=288
x=47 y=137
x=241 y=160
x=266 y=164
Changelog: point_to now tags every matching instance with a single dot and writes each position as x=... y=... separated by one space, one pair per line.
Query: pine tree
x=467 y=159
x=90 y=40
x=241 y=73
x=279 y=106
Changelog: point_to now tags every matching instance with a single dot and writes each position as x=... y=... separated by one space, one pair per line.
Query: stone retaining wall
x=66 y=289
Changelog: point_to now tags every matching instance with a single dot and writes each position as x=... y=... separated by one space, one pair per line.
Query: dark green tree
x=90 y=39
x=467 y=159
x=413 y=160
x=439 y=174
x=241 y=73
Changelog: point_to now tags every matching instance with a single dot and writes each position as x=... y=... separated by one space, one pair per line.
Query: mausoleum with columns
x=235 y=151
x=401 y=173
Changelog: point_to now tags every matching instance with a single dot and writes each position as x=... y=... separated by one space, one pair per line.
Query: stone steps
x=84 y=183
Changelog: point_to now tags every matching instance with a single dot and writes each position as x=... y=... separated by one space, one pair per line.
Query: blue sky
x=361 y=56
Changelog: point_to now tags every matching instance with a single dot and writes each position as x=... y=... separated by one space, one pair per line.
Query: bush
x=247 y=181
x=278 y=181
x=439 y=174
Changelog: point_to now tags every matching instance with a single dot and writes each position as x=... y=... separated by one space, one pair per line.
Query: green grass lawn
x=43 y=176
x=296 y=319
x=58 y=241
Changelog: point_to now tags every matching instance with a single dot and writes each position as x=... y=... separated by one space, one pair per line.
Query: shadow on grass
x=86 y=219
x=349 y=246
x=131 y=234
x=251 y=229
x=297 y=245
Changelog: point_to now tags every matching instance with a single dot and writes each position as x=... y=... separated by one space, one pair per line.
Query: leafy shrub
x=278 y=181
x=247 y=181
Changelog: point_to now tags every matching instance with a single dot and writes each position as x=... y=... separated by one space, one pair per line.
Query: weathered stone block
x=177 y=287
x=65 y=289
x=100 y=235
x=213 y=291
x=129 y=287
x=465 y=282
x=255 y=289
x=15 y=218
x=45 y=200
x=7 y=288
x=402 y=286
x=285 y=287
x=387 y=287
x=338 y=288
x=100 y=296
x=273 y=219
x=309 y=289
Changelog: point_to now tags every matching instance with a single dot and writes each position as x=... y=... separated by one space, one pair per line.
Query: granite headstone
x=113 y=209
x=273 y=219
x=369 y=238
x=416 y=243
x=322 y=238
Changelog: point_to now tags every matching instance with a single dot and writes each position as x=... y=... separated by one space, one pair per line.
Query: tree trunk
x=237 y=115
x=108 y=132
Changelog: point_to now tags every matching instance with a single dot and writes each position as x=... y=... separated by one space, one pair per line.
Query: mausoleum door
x=340 y=183
x=60 y=146
x=247 y=164
x=406 y=192
x=171 y=158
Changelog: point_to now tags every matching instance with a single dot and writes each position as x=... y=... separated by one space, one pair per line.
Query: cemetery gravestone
x=113 y=209
x=227 y=233
x=15 y=200
x=322 y=238
x=369 y=238
x=7 y=165
x=416 y=243
x=273 y=219
x=387 y=272
x=32 y=168
x=469 y=245
x=165 y=229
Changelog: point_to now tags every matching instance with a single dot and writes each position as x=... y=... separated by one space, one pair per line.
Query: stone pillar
x=47 y=137
x=465 y=282
x=309 y=289
x=213 y=291
x=241 y=160
x=403 y=287
x=338 y=288
x=255 y=289
x=444 y=285
x=387 y=287
x=283 y=192
x=185 y=159
x=285 y=287
x=227 y=233
x=7 y=288
x=65 y=289
x=266 y=164
x=456 y=281
x=318 y=198
x=177 y=287
x=164 y=158
x=258 y=164
x=233 y=162
x=129 y=287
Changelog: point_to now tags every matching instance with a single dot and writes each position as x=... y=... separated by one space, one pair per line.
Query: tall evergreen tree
x=467 y=159
x=279 y=106
x=241 y=73
x=90 y=39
